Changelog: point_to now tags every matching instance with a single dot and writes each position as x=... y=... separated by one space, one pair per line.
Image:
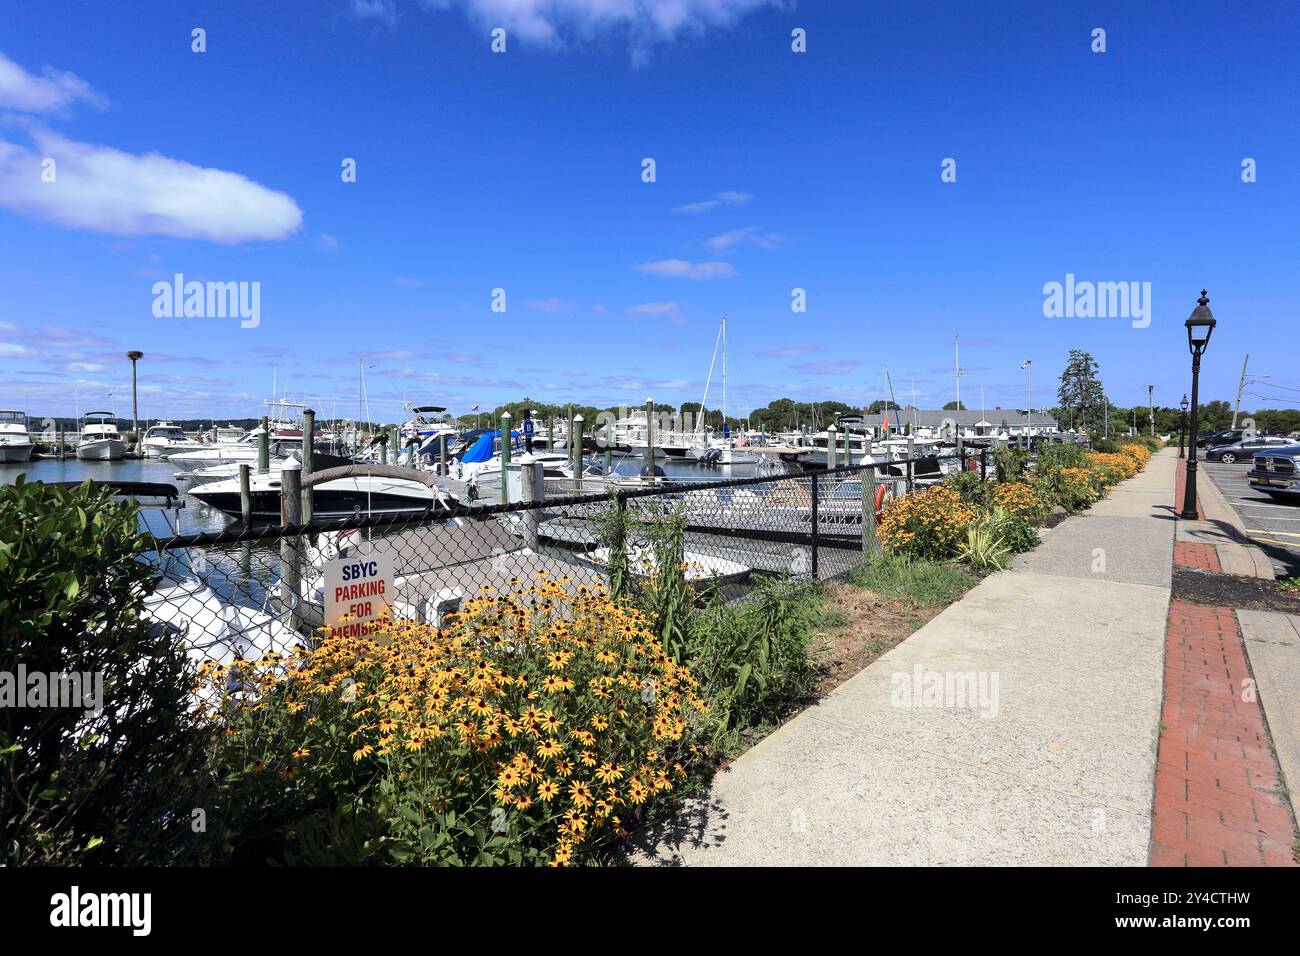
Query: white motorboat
x=100 y=439
x=208 y=456
x=15 y=444
x=165 y=439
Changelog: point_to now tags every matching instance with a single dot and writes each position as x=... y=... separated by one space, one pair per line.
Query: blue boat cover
x=484 y=447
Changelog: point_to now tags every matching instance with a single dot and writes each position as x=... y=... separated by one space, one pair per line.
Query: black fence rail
x=246 y=591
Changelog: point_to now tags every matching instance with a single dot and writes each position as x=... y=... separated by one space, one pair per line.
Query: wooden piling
x=532 y=488
x=505 y=458
x=830 y=447
x=577 y=454
x=245 y=494
x=308 y=440
x=264 y=448
x=650 y=438
x=291 y=544
x=870 y=542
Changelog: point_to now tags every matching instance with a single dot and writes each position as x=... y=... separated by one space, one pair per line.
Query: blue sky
x=774 y=171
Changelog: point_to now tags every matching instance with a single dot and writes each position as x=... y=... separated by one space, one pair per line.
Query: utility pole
x=1240 y=386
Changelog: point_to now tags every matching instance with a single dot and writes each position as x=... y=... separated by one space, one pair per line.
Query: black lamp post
x=1200 y=325
x=1182 y=421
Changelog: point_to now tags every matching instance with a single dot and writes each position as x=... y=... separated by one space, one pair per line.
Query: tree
x=1080 y=394
x=955 y=407
x=881 y=405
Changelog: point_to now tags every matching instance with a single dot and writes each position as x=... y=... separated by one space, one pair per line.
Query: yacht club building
x=940 y=423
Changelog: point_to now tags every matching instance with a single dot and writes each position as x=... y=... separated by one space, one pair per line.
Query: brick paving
x=1203 y=557
x=1219 y=799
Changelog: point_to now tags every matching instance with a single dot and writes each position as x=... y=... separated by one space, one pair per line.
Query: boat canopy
x=484 y=448
x=428 y=408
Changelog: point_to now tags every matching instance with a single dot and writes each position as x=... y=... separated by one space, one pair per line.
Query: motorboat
x=15 y=444
x=100 y=439
x=245 y=450
x=165 y=439
x=365 y=494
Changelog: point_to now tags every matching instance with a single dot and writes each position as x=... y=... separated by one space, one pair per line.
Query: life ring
x=880 y=500
x=972 y=464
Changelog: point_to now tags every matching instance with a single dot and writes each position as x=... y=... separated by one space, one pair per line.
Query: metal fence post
x=815 y=536
x=870 y=543
x=291 y=544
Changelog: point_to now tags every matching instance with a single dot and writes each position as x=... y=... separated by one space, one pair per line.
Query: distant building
x=940 y=423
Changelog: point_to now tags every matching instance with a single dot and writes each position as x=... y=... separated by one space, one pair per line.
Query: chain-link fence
x=246 y=591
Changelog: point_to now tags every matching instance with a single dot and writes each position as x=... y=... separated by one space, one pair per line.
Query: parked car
x=1244 y=449
x=1276 y=472
x=1226 y=437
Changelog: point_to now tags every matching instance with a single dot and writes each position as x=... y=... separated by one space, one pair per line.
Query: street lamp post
x=134 y=356
x=1182 y=421
x=1200 y=326
x=1151 y=408
x=1028 y=366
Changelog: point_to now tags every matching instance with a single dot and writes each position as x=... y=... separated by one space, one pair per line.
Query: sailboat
x=713 y=450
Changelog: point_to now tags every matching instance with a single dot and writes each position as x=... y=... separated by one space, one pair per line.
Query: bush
x=984 y=549
x=1071 y=488
x=530 y=731
x=1010 y=464
x=921 y=583
x=971 y=488
x=1013 y=529
x=926 y=524
x=1139 y=453
x=110 y=787
x=755 y=661
x=1111 y=468
x=1020 y=498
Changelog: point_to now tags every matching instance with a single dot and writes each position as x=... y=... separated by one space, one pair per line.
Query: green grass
x=916 y=581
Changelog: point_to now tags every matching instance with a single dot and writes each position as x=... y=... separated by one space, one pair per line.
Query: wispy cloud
x=827 y=367
x=789 y=351
x=106 y=190
x=642 y=24
x=750 y=236
x=681 y=269
x=411 y=283
x=669 y=310
x=719 y=199
x=385 y=11
x=52 y=93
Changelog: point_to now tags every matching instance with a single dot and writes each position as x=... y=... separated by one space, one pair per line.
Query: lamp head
x=1200 y=325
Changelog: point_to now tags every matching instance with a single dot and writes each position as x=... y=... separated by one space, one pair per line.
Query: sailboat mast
x=724 y=374
x=956 y=344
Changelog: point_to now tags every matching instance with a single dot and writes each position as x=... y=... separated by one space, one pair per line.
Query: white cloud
x=750 y=235
x=51 y=93
x=681 y=269
x=107 y=190
x=403 y=280
x=643 y=23
x=719 y=199
x=670 y=310
x=382 y=10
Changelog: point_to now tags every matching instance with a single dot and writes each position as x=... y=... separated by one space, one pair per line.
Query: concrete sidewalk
x=1052 y=765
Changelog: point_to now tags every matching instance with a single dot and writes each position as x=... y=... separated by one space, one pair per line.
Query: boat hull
x=108 y=449
x=340 y=498
x=15 y=454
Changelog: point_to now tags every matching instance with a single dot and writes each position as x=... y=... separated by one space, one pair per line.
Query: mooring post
x=650 y=438
x=911 y=458
x=848 y=459
x=63 y=447
x=308 y=440
x=870 y=543
x=532 y=486
x=867 y=445
x=442 y=454
x=291 y=544
x=568 y=435
x=245 y=494
x=505 y=458
x=577 y=454
x=264 y=447
x=815 y=533
x=550 y=433
x=830 y=448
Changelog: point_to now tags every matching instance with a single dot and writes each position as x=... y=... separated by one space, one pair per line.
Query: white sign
x=359 y=588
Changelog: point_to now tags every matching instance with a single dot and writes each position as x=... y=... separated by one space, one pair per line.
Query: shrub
x=926 y=524
x=1020 y=498
x=109 y=787
x=984 y=549
x=1111 y=467
x=527 y=732
x=902 y=578
x=1139 y=453
x=1013 y=528
x=1053 y=457
x=754 y=661
x=972 y=489
x=1010 y=464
